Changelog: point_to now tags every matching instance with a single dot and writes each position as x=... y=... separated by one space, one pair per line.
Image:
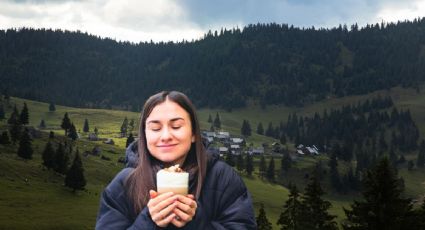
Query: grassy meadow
x=32 y=197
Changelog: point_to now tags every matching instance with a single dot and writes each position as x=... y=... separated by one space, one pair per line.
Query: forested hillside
x=264 y=63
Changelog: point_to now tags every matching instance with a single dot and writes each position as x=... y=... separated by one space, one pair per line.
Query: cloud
x=164 y=20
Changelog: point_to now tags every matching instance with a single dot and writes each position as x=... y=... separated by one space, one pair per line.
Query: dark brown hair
x=143 y=177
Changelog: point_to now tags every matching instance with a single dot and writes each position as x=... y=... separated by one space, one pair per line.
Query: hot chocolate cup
x=176 y=182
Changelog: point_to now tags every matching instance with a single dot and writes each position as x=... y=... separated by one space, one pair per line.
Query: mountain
x=262 y=64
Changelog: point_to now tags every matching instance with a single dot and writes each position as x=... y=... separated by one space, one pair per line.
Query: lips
x=166 y=147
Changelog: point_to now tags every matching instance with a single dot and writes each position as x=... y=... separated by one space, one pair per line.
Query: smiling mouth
x=166 y=146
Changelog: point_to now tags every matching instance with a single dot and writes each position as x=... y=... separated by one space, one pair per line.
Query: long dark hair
x=143 y=177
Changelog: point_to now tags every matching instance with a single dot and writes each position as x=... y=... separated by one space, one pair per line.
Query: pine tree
x=25 y=148
x=210 y=119
x=61 y=159
x=270 y=130
x=49 y=156
x=42 y=124
x=270 y=170
x=2 y=113
x=315 y=211
x=14 y=117
x=73 y=132
x=24 y=116
x=96 y=131
x=383 y=206
x=124 y=127
x=262 y=221
x=260 y=129
x=66 y=124
x=52 y=107
x=286 y=162
x=4 y=138
x=246 y=128
x=230 y=159
x=15 y=131
x=240 y=164
x=335 y=178
x=51 y=135
x=249 y=164
x=130 y=140
x=291 y=216
x=75 y=176
x=86 y=127
x=420 y=161
x=217 y=122
x=131 y=125
x=263 y=166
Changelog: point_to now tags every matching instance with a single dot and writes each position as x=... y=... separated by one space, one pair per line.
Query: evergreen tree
x=260 y=129
x=51 y=135
x=66 y=124
x=270 y=130
x=420 y=161
x=410 y=165
x=383 y=206
x=2 y=113
x=131 y=125
x=262 y=221
x=75 y=176
x=335 y=178
x=4 y=138
x=86 y=127
x=249 y=164
x=286 y=162
x=15 y=131
x=73 y=132
x=25 y=148
x=42 y=124
x=48 y=156
x=124 y=127
x=24 y=116
x=217 y=122
x=315 y=209
x=96 y=131
x=270 y=170
x=52 y=107
x=14 y=117
x=61 y=159
x=263 y=166
x=291 y=216
x=240 y=164
x=246 y=128
x=282 y=139
x=230 y=159
x=210 y=119
x=130 y=140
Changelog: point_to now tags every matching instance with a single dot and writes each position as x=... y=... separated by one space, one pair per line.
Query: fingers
x=159 y=198
x=165 y=216
x=152 y=194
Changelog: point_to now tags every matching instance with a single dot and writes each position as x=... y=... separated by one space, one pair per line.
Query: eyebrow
x=172 y=120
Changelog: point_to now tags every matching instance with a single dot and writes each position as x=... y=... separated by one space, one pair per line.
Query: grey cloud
x=304 y=13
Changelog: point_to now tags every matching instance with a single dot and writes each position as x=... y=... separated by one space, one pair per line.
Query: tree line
x=264 y=63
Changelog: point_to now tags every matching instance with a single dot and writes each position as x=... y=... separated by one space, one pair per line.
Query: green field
x=34 y=198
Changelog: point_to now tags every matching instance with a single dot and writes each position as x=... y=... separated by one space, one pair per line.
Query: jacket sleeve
x=115 y=213
x=232 y=207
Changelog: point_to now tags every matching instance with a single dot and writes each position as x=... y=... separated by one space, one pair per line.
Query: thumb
x=152 y=194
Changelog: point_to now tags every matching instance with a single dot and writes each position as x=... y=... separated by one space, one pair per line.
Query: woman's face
x=169 y=133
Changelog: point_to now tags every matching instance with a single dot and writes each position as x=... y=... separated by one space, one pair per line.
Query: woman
x=169 y=134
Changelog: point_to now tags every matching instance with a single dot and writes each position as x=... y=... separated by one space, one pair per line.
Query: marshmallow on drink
x=172 y=179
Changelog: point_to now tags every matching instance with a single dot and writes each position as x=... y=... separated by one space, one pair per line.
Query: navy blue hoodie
x=225 y=203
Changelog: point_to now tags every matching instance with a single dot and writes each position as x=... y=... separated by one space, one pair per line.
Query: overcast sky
x=165 y=20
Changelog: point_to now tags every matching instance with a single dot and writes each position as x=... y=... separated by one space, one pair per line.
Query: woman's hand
x=161 y=208
x=185 y=210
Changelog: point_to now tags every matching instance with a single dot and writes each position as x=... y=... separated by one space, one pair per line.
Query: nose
x=166 y=134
